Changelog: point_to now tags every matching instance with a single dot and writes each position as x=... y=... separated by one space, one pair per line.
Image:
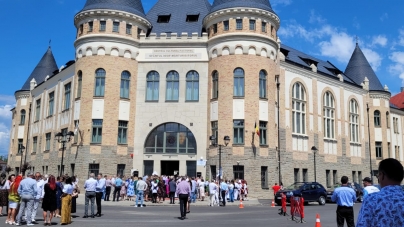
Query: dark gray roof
x=358 y=68
x=393 y=106
x=130 y=6
x=323 y=67
x=260 y=4
x=46 y=66
x=178 y=9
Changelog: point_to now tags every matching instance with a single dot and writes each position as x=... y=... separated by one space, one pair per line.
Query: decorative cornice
x=380 y=95
x=22 y=95
x=334 y=82
x=223 y=14
x=106 y=38
x=242 y=36
x=111 y=13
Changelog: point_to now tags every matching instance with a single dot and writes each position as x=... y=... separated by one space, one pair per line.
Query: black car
x=310 y=191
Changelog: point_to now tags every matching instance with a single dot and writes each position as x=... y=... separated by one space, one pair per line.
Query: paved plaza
x=255 y=213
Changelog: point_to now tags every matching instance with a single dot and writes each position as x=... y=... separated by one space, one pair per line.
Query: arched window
x=387 y=119
x=22 y=119
x=173 y=83
x=99 y=83
x=79 y=83
x=376 y=116
x=125 y=84
x=192 y=93
x=215 y=85
x=238 y=85
x=298 y=109
x=329 y=115
x=354 y=120
x=152 y=90
x=171 y=138
x=263 y=84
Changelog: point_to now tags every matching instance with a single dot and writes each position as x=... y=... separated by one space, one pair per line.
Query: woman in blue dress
x=59 y=192
x=131 y=189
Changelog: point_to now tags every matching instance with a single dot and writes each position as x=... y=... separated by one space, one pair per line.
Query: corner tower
x=243 y=65
x=107 y=45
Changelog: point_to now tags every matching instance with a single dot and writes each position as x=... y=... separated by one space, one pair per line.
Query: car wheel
x=321 y=200
x=306 y=203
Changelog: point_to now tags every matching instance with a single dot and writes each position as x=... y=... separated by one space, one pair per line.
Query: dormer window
x=163 y=18
x=192 y=17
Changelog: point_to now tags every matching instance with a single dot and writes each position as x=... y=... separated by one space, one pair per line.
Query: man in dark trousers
x=172 y=187
x=99 y=190
x=345 y=197
x=184 y=194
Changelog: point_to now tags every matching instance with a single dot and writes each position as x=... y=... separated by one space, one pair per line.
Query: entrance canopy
x=171 y=138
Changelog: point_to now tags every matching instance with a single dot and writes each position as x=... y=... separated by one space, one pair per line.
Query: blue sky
x=326 y=29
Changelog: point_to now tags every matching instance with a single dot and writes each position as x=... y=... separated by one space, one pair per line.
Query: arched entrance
x=166 y=139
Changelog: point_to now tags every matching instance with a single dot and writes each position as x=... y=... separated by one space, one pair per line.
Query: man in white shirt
x=90 y=186
x=369 y=188
x=212 y=192
x=40 y=193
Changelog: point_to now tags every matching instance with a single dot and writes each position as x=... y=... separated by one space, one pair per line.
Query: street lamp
x=22 y=148
x=226 y=140
x=370 y=147
x=63 y=137
x=314 y=149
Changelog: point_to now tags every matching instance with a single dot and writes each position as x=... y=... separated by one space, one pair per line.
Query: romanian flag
x=257 y=129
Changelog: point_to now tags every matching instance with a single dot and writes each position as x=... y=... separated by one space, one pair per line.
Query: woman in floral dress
x=123 y=189
x=161 y=190
x=131 y=189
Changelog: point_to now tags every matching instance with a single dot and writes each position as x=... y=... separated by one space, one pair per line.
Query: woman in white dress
x=202 y=189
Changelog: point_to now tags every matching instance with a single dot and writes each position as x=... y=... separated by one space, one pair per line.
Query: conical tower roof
x=259 y=4
x=358 y=68
x=46 y=66
x=130 y=6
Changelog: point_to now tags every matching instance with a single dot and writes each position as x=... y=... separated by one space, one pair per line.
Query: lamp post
x=370 y=148
x=314 y=149
x=63 y=137
x=22 y=148
x=226 y=140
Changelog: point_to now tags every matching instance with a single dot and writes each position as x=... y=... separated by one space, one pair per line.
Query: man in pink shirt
x=184 y=193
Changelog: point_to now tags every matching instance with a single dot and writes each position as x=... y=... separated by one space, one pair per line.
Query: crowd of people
x=23 y=195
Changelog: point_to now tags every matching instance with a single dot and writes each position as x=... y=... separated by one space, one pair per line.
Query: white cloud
x=340 y=46
x=397 y=68
x=5 y=111
x=380 y=40
x=384 y=17
x=7 y=99
x=281 y=2
x=4 y=139
x=294 y=29
x=373 y=58
x=315 y=18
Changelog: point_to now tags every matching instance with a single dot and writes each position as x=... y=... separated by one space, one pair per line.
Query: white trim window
x=298 y=109
x=329 y=115
x=354 y=121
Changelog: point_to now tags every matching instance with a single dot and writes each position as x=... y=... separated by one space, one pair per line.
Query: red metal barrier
x=297 y=209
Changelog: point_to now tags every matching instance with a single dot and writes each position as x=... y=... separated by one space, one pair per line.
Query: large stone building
x=146 y=91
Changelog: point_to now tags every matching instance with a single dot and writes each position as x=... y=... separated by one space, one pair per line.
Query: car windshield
x=294 y=186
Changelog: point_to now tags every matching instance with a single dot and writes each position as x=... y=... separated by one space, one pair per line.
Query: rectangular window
x=214 y=28
x=379 y=153
x=115 y=26
x=296 y=175
x=213 y=172
x=360 y=176
x=79 y=85
x=354 y=176
x=120 y=169
x=93 y=168
x=90 y=26
x=328 y=178
x=226 y=25
x=51 y=103
x=67 y=96
x=72 y=168
x=34 y=144
x=122 y=132
x=96 y=136
x=388 y=150
x=129 y=29
x=397 y=152
x=238 y=131
x=38 y=110
x=103 y=25
x=191 y=168
x=163 y=18
x=238 y=172
x=63 y=170
x=47 y=141
x=264 y=176
x=20 y=145
x=252 y=24
x=76 y=131
x=239 y=24
x=214 y=128
x=264 y=27
x=148 y=167
x=263 y=133
x=335 y=176
x=192 y=18
x=305 y=175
